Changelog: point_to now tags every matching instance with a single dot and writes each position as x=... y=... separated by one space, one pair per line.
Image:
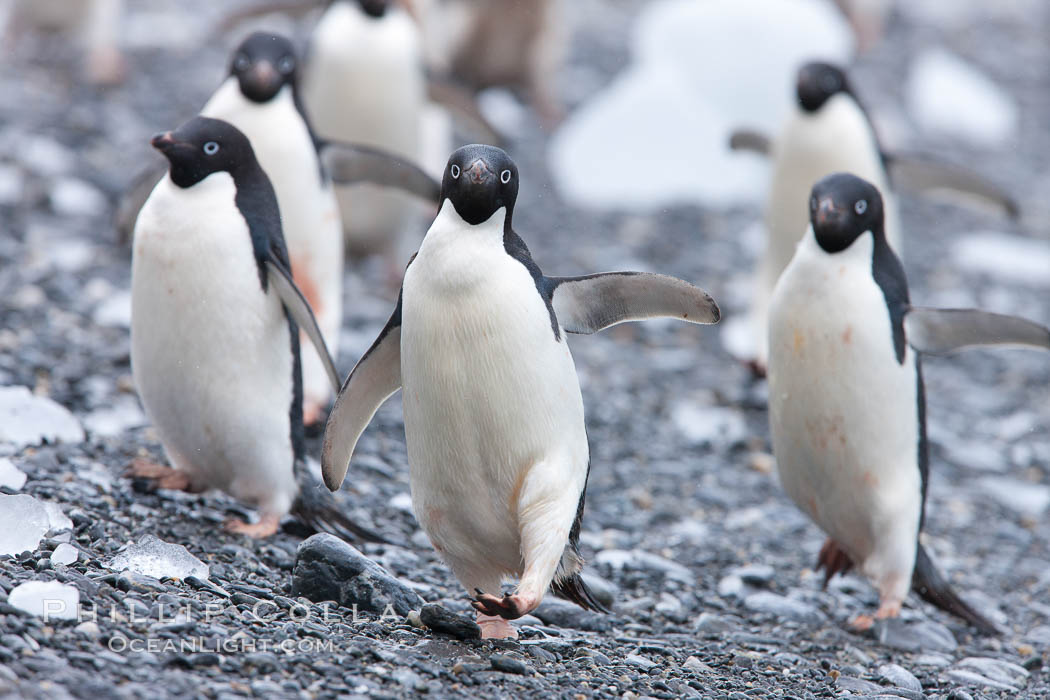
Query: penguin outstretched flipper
x=938 y=331
x=934 y=589
x=592 y=303
x=129 y=204
x=922 y=174
x=348 y=164
x=316 y=507
x=750 y=140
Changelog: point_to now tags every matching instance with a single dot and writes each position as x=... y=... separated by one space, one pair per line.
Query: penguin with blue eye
x=847 y=406
x=494 y=423
x=829 y=131
x=261 y=97
x=215 y=319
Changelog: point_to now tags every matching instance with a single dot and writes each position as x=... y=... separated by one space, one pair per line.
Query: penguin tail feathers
x=932 y=587
x=317 y=508
x=574 y=589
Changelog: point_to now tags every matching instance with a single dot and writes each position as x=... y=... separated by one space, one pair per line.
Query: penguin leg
x=547 y=507
x=890 y=568
x=267 y=525
x=164 y=477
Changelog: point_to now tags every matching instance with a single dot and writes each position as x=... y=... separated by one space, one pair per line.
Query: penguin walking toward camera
x=846 y=400
x=364 y=82
x=494 y=424
x=215 y=320
x=827 y=132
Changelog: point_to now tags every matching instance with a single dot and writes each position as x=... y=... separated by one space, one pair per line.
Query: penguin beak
x=827 y=213
x=261 y=82
x=479 y=173
x=163 y=142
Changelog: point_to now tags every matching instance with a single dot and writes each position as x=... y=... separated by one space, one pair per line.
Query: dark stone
x=326 y=568
x=508 y=664
x=444 y=621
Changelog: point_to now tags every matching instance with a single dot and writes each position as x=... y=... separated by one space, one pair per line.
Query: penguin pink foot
x=888 y=609
x=266 y=526
x=165 y=477
x=495 y=627
x=509 y=607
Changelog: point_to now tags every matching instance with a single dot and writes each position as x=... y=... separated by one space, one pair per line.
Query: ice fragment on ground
x=948 y=96
x=151 y=556
x=27 y=420
x=50 y=600
x=64 y=554
x=23 y=523
x=708 y=425
x=11 y=476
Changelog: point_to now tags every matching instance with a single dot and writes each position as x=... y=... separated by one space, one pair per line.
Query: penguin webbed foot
x=495 y=627
x=887 y=609
x=509 y=607
x=834 y=560
x=159 y=475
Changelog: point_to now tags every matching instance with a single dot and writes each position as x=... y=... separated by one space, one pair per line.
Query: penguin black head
x=263 y=64
x=819 y=82
x=374 y=8
x=842 y=207
x=478 y=180
x=203 y=146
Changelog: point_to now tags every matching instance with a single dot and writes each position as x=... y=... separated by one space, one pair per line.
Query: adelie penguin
x=846 y=400
x=829 y=131
x=215 y=320
x=260 y=96
x=494 y=423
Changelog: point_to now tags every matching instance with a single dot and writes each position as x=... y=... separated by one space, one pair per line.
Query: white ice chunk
x=948 y=96
x=23 y=523
x=64 y=554
x=26 y=419
x=50 y=600
x=151 y=556
x=1007 y=257
x=658 y=134
x=11 y=476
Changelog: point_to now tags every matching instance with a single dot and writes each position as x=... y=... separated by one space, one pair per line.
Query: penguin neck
x=449 y=230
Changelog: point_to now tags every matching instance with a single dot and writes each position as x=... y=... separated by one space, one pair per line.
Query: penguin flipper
x=348 y=164
x=300 y=311
x=925 y=175
x=316 y=507
x=750 y=140
x=944 y=330
x=593 y=302
x=462 y=104
x=131 y=202
x=931 y=587
x=375 y=378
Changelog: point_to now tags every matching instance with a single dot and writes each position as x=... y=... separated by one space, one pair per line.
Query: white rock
x=65 y=554
x=402 y=501
x=27 y=420
x=115 y=310
x=23 y=523
x=1016 y=259
x=50 y=600
x=948 y=96
x=658 y=134
x=72 y=197
x=151 y=556
x=116 y=419
x=708 y=425
x=1022 y=497
x=11 y=476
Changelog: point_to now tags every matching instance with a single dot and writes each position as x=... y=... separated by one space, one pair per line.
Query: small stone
x=561 y=613
x=696 y=665
x=326 y=568
x=921 y=635
x=50 y=600
x=754 y=574
x=711 y=625
x=769 y=602
x=743 y=661
x=414 y=619
x=899 y=677
x=638 y=662
x=444 y=621
x=508 y=664
x=128 y=582
x=858 y=685
x=989 y=672
x=89 y=628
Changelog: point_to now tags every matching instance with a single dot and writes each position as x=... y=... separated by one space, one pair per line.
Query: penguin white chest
x=488 y=391
x=210 y=351
x=843 y=410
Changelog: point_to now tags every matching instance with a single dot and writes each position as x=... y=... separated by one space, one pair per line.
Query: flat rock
x=989 y=672
x=920 y=635
x=326 y=568
x=562 y=613
x=781 y=606
x=153 y=557
x=899 y=677
x=444 y=621
x=26 y=419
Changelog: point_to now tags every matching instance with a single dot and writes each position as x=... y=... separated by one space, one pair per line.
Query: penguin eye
x=211 y=148
x=504 y=177
x=861 y=206
x=286 y=65
x=455 y=171
x=242 y=62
